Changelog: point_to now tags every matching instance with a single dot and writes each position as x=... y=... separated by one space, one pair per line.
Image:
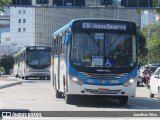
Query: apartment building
x=5 y=32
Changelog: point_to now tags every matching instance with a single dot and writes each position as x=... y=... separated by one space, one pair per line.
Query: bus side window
x=56 y=46
x=60 y=45
x=63 y=45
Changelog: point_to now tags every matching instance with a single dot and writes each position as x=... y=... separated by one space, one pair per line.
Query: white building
x=5 y=32
x=22 y=26
x=5 y=48
x=147 y=18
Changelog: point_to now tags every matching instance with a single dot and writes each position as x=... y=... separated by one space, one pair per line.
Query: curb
x=10 y=84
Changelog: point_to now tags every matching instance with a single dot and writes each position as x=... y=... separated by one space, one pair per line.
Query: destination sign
x=38 y=48
x=106 y=26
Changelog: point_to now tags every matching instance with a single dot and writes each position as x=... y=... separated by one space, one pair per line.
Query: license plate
x=102 y=90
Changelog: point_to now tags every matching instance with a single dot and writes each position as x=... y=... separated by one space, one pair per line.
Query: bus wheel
x=68 y=99
x=159 y=93
x=150 y=93
x=58 y=94
x=26 y=78
x=123 y=100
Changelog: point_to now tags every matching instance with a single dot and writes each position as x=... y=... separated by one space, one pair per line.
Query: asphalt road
x=38 y=95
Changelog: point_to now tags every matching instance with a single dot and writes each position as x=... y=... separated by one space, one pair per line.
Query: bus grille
x=103 y=76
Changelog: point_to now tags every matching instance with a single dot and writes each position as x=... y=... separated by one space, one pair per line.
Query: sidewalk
x=7 y=81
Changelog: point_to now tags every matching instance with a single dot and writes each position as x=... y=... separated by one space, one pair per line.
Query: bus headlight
x=74 y=79
x=129 y=82
x=27 y=69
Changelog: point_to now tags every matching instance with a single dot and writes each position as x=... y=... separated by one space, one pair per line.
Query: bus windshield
x=38 y=58
x=106 y=50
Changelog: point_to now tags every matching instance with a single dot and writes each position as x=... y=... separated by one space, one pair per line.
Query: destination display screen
x=38 y=48
x=104 y=25
x=87 y=25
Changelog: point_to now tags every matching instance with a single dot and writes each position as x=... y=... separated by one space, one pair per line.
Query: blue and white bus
x=95 y=57
x=33 y=62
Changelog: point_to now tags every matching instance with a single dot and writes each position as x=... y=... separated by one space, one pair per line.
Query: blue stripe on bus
x=87 y=80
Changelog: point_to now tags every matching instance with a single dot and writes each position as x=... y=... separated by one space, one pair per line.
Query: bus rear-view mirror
x=67 y=38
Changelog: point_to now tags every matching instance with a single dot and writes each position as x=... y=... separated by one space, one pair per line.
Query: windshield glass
x=103 y=50
x=38 y=58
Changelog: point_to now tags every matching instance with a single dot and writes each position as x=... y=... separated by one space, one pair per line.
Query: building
x=34 y=23
x=5 y=48
x=22 y=27
x=147 y=18
x=5 y=33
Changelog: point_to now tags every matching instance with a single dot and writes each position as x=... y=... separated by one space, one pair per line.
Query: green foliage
x=155 y=3
x=1 y=68
x=142 y=51
x=153 y=32
x=4 y=3
x=7 y=63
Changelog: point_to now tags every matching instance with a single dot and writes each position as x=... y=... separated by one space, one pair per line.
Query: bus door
x=58 y=69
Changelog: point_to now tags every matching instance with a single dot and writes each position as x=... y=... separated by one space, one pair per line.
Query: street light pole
x=148 y=44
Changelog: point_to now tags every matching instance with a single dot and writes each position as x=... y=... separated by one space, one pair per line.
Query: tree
x=7 y=63
x=142 y=51
x=153 y=32
x=4 y=3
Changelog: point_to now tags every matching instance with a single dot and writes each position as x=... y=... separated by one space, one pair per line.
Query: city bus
x=95 y=57
x=33 y=62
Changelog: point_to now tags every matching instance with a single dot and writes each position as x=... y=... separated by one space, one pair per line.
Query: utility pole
x=148 y=44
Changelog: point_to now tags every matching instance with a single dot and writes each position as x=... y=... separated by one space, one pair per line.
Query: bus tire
x=159 y=93
x=58 y=94
x=26 y=78
x=151 y=95
x=68 y=99
x=123 y=100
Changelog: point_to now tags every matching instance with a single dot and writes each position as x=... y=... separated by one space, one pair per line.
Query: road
x=38 y=95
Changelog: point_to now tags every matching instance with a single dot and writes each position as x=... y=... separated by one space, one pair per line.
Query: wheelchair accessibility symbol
x=108 y=63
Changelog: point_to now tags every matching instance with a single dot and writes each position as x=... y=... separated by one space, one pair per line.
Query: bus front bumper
x=107 y=90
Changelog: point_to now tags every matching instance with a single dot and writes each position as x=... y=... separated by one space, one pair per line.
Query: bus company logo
x=6 y=114
x=101 y=70
x=18 y=114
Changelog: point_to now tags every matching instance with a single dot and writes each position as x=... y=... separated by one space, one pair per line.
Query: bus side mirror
x=67 y=38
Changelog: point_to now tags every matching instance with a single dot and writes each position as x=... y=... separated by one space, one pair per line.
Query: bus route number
x=90 y=81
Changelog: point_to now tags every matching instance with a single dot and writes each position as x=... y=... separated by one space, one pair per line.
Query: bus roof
x=69 y=24
x=16 y=54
